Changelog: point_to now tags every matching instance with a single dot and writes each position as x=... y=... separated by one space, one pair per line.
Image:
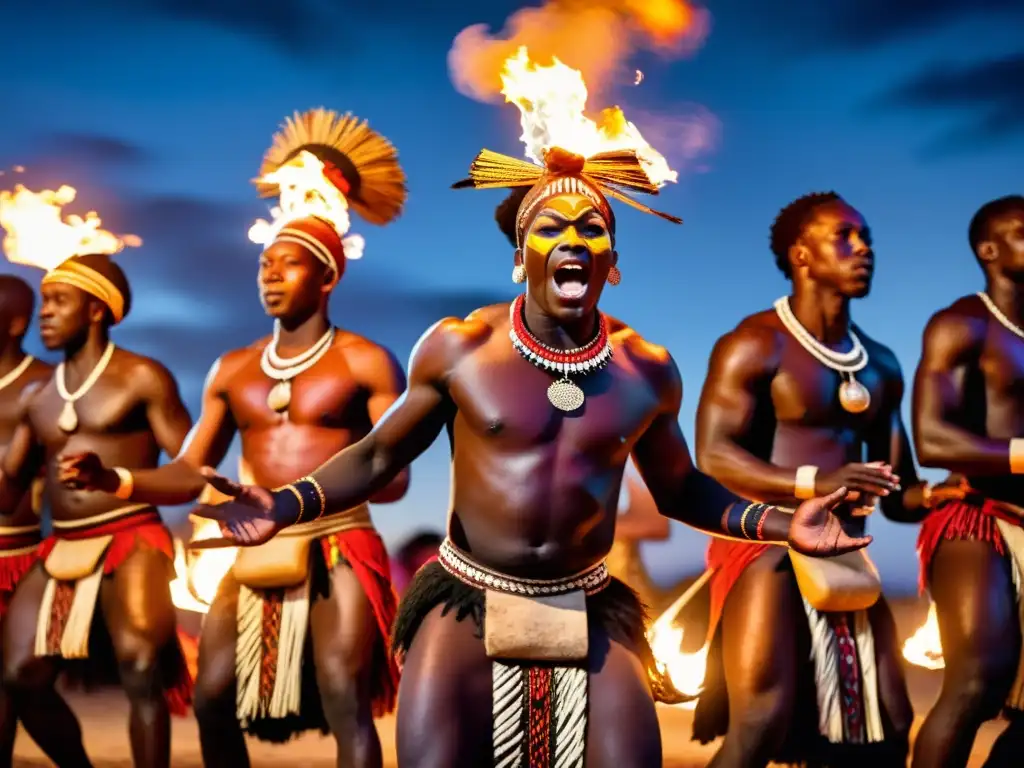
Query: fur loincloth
x=539 y=707
x=19 y=551
x=976 y=518
x=838 y=708
x=66 y=627
x=277 y=694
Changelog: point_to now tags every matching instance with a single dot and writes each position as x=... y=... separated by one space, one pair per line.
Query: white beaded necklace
x=14 y=374
x=284 y=369
x=853 y=396
x=998 y=315
x=68 y=419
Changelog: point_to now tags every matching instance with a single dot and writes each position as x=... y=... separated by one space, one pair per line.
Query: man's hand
x=875 y=478
x=85 y=472
x=247 y=520
x=816 y=530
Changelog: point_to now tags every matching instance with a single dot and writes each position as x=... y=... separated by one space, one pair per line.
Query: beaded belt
x=463 y=567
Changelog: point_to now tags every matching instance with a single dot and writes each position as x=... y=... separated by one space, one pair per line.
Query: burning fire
x=198 y=575
x=686 y=670
x=551 y=102
x=924 y=647
x=38 y=236
x=306 y=191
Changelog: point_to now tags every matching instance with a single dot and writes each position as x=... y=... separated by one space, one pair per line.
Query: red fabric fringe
x=11 y=570
x=129 y=533
x=729 y=559
x=953 y=520
x=365 y=553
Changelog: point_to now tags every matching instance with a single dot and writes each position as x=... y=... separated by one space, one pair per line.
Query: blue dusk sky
x=159 y=111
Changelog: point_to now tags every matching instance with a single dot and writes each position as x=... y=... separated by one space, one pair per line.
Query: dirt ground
x=104 y=722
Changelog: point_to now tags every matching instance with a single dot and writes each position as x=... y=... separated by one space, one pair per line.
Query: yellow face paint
x=562 y=227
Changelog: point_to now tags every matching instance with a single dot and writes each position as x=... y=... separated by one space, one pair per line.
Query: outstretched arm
x=684 y=493
x=179 y=481
x=384 y=380
x=952 y=343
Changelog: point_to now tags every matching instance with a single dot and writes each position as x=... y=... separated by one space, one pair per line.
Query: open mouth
x=571 y=280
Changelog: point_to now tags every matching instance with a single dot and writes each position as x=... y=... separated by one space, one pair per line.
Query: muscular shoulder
x=752 y=347
x=958 y=328
x=35 y=380
x=151 y=377
x=370 y=363
x=441 y=348
x=230 y=363
x=653 y=360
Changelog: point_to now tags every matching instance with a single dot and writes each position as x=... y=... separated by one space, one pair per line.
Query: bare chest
x=10 y=413
x=805 y=392
x=1002 y=366
x=503 y=400
x=111 y=408
x=326 y=396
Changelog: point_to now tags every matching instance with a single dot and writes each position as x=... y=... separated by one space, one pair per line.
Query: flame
x=598 y=37
x=304 y=190
x=686 y=670
x=38 y=236
x=924 y=647
x=551 y=102
x=197 y=577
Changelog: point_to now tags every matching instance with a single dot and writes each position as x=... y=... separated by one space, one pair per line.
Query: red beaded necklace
x=563 y=393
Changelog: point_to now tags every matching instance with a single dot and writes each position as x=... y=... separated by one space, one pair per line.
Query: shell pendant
x=565 y=395
x=280 y=396
x=854 y=396
x=68 y=419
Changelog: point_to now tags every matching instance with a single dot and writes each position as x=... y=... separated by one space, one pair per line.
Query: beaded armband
x=745 y=520
x=300 y=502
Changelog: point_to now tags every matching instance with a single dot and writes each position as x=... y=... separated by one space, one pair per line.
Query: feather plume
x=616 y=174
x=367 y=160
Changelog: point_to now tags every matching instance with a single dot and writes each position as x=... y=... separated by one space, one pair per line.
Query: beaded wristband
x=745 y=520
x=300 y=502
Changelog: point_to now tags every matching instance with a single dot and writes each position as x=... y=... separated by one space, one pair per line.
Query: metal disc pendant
x=565 y=395
x=68 y=419
x=854 y=396
x=280 y=396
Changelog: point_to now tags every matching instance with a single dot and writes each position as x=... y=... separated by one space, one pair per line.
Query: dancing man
x=296 y=399
x=795 y=398
x=968 y=418
x=518 y=646
x=104 y=550
x=20 y=375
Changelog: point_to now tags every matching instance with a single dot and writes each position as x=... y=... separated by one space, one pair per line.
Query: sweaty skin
x=334 y=404
x=534 y=490
x=967 y=408
x=132 y=413
x=769 y=407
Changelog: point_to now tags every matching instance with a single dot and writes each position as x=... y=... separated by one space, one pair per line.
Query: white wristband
x=1017 y=456
x=127 y=484
x=805 y=477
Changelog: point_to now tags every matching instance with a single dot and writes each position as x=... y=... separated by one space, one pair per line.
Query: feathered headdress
x=608 y=174
x=321 y=164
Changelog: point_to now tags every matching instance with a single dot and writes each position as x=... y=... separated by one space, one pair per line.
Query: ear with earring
x=519 y=271
x=614 y=276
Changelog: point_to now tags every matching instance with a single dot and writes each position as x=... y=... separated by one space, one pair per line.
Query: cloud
x=989 y=93
x=862 y=23
x=92 y=150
